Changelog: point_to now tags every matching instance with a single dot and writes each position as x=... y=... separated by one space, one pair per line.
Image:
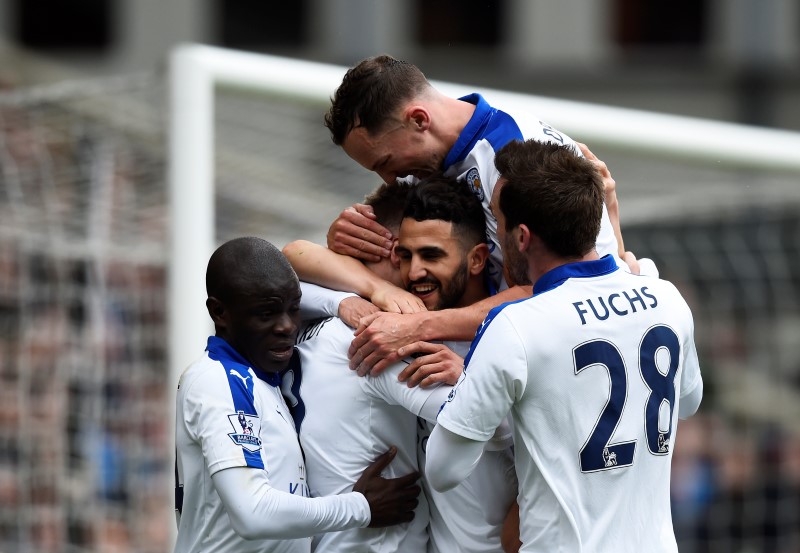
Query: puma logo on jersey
x=236 y=373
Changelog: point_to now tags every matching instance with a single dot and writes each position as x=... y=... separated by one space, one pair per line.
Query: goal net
x=114 y=192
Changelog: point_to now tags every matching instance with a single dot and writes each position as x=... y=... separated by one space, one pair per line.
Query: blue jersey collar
x=472 y=131
x=220 y=350
x=581 y=269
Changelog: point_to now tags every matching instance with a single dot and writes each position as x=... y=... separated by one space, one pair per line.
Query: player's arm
x=259 y=511
x=450 y=458
x=380 y=337
x=477 y=406
x=355 y=233
x=691 y=389
x=509 y=535
x=320 y=265
x=612 y=208
x=419 y=401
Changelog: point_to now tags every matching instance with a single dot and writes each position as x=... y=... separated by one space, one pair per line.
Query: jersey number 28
x=598 y=453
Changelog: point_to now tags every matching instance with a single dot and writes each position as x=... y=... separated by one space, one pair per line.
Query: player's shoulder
x=204 y=373
x=327 y=330
x=531 y=127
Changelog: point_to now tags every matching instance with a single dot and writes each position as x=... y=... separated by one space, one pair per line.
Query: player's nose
x=416 y=269
x=286 y=324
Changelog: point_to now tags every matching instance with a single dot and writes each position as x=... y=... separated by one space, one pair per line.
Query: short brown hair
x=370 y=94
x=388 y=202
x=557 y=194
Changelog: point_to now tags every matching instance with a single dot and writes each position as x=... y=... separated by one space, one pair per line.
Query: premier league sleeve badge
x=246 y=429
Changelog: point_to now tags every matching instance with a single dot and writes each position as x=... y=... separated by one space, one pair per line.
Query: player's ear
x=477 y=258
x=522 y=237
x=217 y=312
x=393 y=257
x=419 y=117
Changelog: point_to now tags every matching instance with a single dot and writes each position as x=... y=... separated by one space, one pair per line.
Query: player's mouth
x=423 y=290
x=281 y=353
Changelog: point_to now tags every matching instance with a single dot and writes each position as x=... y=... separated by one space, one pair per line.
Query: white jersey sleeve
x=266 y=513
x=422 y=402
x=206 y=411
x=318 y=301
x=489 y=385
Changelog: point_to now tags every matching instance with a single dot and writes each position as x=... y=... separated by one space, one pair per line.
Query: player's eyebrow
x=432 y=251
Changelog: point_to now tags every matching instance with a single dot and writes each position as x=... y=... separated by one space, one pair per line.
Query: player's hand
x=610 y=197
x=356 y=233
x=392 y=299
x=355 y=308
x=378 y=337
x=609 y=184
x=632 y=262
x=391 y=500
x=434 y=364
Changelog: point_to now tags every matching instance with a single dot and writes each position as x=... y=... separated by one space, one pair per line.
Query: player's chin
x=275 y=360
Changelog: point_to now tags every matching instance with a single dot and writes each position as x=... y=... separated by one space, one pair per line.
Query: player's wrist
x=434 y=325
x=361 y=508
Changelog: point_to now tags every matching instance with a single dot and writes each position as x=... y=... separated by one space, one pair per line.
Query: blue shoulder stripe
x=484 y=325
x=487 y=123
x=242 y=386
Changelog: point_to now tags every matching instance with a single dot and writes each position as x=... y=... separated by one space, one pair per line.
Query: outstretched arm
x=319 y=265
x=612 y=206
x=380 y=337
x=262 y=512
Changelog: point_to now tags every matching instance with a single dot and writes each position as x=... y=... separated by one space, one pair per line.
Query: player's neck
x=454 y=116
x=545 y=262
x=475 y=291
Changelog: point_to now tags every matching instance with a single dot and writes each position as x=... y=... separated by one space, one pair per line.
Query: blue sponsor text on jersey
x=619 y=303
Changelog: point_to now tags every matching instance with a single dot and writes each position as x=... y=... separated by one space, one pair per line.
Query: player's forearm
x=450 y=458
x=258 y=511
x=319 y=265
x=691 y=401
x=462 y=323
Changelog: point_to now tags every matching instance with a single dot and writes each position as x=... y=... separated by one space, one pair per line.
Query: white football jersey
x=348 y=421
x=229 y=417
x=471 y=160
x=469 y=517
x=593 y=369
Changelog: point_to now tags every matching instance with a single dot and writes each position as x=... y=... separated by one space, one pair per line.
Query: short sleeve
x=490 y=384
x=209 y=413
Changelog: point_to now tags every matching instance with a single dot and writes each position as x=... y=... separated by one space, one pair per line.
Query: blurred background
x=85 y=419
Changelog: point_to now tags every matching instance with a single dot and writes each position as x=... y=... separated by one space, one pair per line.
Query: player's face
x=432 y=262
x=261 y=324
x=515 y=265
x=395 y=153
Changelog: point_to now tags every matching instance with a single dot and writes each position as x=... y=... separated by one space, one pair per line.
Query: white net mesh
x=84 y=461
